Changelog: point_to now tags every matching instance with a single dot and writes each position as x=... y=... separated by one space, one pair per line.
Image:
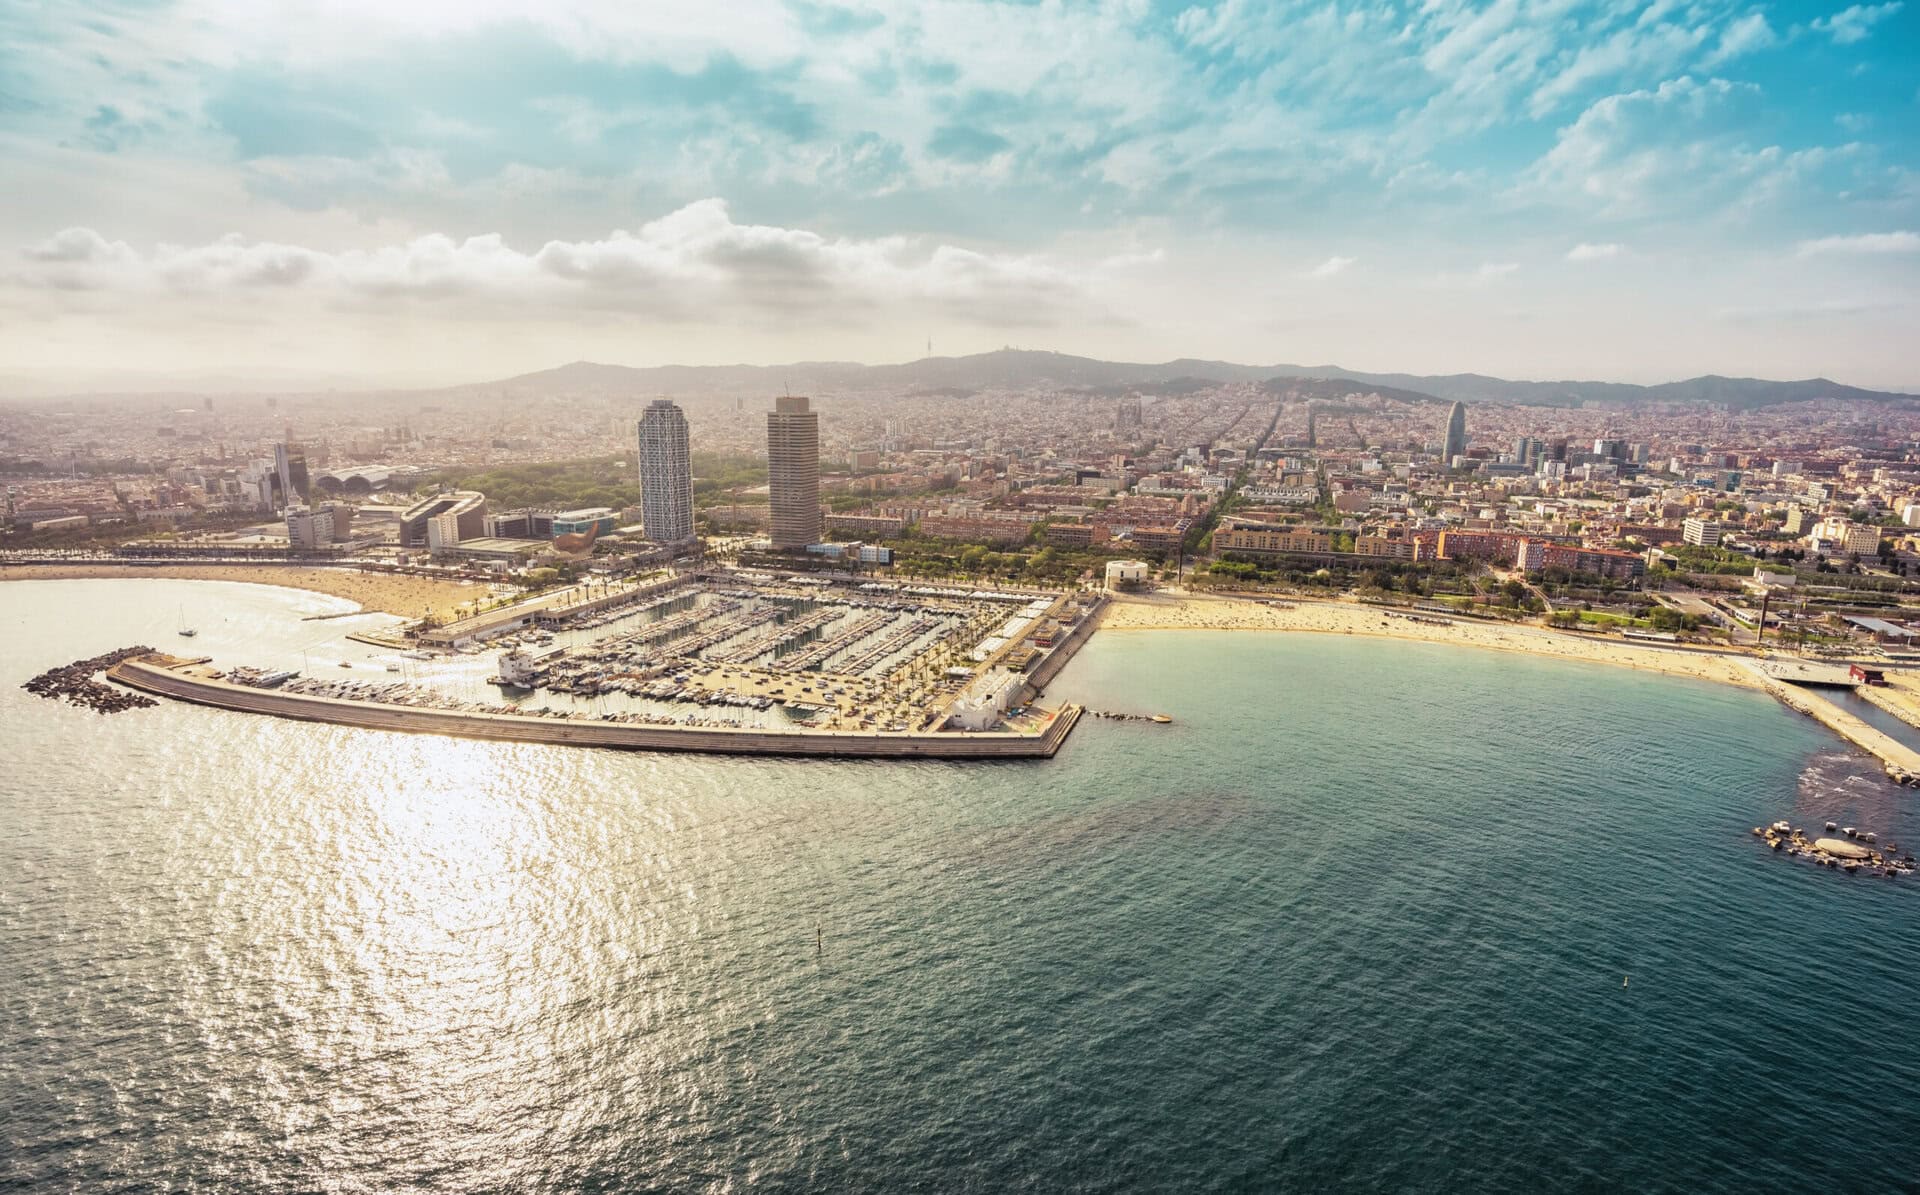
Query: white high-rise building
x=793 y=472
x=666 y=474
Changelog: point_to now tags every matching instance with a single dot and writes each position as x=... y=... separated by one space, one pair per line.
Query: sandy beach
x=390 y=593
x=1159 y=612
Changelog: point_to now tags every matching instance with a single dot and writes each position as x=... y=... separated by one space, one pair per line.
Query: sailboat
x=186 y=632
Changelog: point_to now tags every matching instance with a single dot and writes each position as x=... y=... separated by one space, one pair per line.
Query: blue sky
x=431 y=191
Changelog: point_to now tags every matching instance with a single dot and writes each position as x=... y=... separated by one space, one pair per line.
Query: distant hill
x=1023 y=368
x=1339 y=388
x=959 y=377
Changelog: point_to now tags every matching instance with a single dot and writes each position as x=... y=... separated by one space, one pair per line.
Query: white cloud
x=1675 y=146
x=1743 y=36
x=1485 y=275
x=1853 y=24
x=1586 y=251
x=1329 y=267
x=696 y=262
x=1868 y=243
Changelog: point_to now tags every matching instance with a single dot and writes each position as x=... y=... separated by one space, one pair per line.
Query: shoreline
x=1133 y=613
x=1194 y=613
x=404 y=595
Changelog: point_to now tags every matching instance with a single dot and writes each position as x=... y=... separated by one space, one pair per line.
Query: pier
x=184 y=680
x=1902 y=763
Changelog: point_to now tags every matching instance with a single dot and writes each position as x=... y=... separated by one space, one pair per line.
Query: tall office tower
x=290 y=470
x=793 y=472
x=1456 y=443
x=666 y=474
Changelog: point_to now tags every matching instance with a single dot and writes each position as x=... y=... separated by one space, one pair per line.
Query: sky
x=428 y=191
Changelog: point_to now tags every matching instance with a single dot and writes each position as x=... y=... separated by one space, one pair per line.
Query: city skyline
x=980 y=595
x=408 y=199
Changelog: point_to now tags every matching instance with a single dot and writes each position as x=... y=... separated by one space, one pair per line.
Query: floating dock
x=184 y=680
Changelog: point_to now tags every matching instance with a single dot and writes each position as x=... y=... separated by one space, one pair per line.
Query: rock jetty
x=74 y=683
x=1837 y=853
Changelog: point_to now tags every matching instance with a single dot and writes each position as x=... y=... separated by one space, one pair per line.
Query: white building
x=1124 y=573
x=443 y=532
x=981 y=705
x=1844 y=535
x=309 y=530
x=1700 y=532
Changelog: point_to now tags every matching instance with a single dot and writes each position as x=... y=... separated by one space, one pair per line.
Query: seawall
x=1887 y=701
x=151 y=676
x=1902 y=763
x=1063 y=652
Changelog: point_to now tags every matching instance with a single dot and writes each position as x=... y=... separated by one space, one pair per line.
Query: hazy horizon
x=434 y=194
x=242 y=383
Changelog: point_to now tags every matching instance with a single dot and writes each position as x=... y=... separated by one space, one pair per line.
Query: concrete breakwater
x=1902 y=763
x=166 y=677
x=1042 y=676
x=1876 y=695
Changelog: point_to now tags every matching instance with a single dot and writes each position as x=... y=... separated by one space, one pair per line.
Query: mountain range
x=960 y=376
x=1025 y=369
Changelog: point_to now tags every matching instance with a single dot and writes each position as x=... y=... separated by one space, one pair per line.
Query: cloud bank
x=696 y=262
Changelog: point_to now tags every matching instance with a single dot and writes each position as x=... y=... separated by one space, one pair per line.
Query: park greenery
x=598 y=481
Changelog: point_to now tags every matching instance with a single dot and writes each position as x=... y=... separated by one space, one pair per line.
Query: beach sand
x=390 y=593
x=1189 y=612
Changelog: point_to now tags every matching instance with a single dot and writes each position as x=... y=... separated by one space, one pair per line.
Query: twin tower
x=793 y=473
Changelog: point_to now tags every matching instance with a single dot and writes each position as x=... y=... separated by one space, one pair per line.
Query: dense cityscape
x=1662 y=518
x=964 y=596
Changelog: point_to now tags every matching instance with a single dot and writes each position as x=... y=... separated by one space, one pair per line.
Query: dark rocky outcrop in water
x=75 y=683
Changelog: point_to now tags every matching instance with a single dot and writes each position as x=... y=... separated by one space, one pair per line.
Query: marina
x=723 y=663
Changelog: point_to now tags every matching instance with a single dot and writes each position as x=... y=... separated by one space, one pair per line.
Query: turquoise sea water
x=1358 y=920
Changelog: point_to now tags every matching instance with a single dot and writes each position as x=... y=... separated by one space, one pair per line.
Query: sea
x=1367 y=916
